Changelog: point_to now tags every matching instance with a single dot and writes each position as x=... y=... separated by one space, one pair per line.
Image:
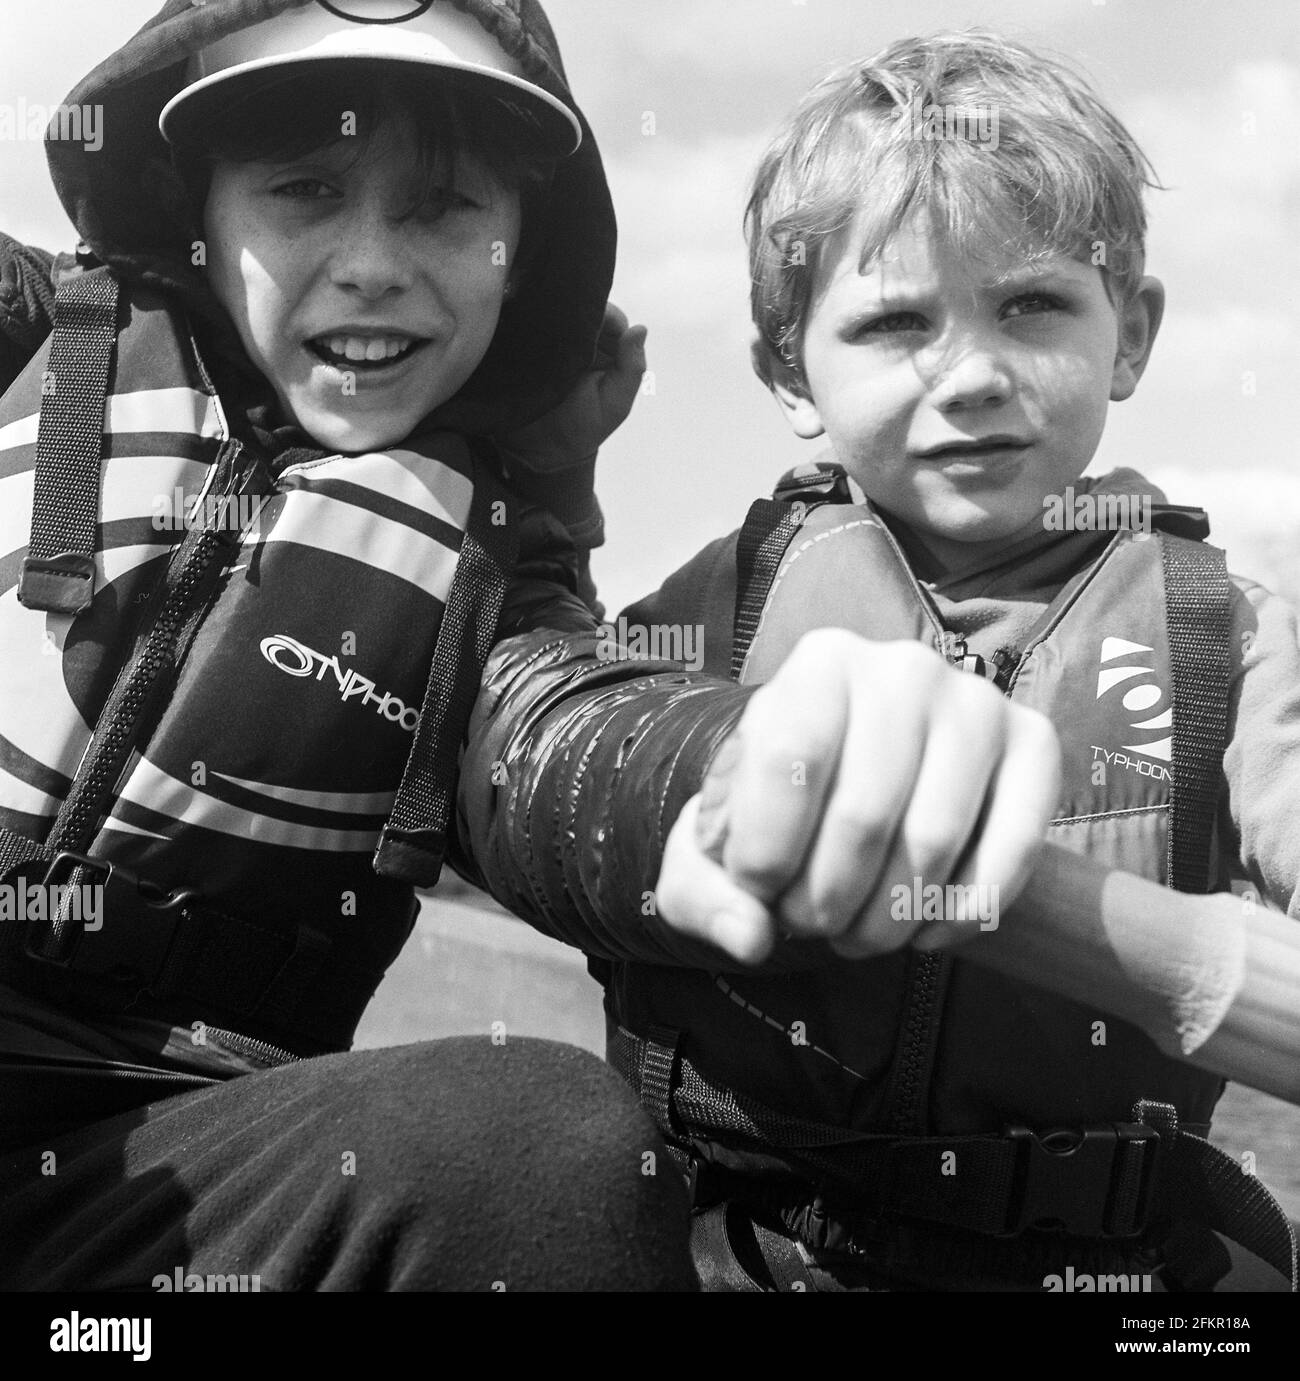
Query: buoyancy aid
x=235 y=847
x=837 y=1074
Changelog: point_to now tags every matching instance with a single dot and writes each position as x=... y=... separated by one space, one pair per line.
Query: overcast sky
x=1211 y=90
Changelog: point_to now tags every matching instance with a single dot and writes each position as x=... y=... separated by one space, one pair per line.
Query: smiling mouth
x=344 y=350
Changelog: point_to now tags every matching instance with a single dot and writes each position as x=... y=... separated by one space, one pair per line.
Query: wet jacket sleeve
x=1262 y=762
x=578 y=763
x=26 y=305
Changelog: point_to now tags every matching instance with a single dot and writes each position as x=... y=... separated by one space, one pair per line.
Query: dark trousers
x=447 y=1165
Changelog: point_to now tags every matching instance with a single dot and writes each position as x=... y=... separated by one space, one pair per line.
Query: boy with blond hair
x=947 y=251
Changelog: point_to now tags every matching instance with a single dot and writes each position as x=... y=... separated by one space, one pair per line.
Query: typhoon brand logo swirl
x=1130 y=665
x=293 y=658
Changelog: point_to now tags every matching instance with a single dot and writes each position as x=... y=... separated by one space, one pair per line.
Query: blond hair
x=1063 y=175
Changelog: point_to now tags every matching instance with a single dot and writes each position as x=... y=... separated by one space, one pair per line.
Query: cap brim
x=544 y=123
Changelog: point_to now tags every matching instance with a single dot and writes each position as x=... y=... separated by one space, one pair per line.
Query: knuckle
x=932 y=848
x=861 y=825
x=915 y=659
x=829 y=911
x=820 y=641
x=779 y=753
x=756 y=867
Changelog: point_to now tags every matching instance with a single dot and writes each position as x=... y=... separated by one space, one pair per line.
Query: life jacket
x=858 y=1078
x=217 y=738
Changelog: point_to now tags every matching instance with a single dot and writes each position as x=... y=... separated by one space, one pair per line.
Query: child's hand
x=597 y=406
x=860 y=767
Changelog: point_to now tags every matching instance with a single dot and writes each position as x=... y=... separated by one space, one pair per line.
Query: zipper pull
x=956 y=652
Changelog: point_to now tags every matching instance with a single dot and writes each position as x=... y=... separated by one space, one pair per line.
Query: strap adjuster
x=137 y=921
x=1094 y=1182
x=62 y=584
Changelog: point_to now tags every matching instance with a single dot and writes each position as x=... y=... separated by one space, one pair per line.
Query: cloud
x=682 y=261
x=1219 y=347
x=1227 y=224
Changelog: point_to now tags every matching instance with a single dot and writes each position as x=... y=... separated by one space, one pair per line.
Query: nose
x=372 y=253
x=971 y=373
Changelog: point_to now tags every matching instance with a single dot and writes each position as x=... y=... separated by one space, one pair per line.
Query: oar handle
x=1214 y=980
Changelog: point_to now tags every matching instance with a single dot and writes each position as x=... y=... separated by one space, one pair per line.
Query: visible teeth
x=371 y=349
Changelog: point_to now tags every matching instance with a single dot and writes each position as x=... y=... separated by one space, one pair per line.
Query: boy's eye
x=304 y=189
x=893 y=321
x=1031 y=304
x=440 y=201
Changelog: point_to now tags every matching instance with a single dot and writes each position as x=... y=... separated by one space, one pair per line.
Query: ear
x=1139 y=320
x=797 y=404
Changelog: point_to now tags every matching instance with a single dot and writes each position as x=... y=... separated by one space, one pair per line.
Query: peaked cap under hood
x=130 y=207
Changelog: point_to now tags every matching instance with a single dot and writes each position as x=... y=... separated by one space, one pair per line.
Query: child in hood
x=266 y=502
x=947 y=253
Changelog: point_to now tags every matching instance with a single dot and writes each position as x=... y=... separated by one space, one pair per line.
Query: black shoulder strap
x=1198 y=616
x=58 y=574
x=767 y=531
x=413 y=841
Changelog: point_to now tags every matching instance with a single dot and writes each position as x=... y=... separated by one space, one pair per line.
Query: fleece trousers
x=446 y=1165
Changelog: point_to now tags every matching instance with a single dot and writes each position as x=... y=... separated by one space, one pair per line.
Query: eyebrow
x=875 y=302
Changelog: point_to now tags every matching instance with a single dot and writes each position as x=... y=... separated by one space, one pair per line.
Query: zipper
x=120 y=718
x=1062 y=607
x=927 y=973
x=246 y=1045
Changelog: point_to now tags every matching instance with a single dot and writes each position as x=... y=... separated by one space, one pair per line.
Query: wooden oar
x=1213 y=980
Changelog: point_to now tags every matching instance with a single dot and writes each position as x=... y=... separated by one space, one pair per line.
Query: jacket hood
x=130 y=207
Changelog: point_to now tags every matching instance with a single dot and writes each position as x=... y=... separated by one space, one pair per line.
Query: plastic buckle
x=823 y=481
x=63 y=584
x=1072 y=1186
x=136 y=921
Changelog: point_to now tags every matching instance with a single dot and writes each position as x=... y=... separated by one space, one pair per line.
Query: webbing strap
x=1198 y=615
x=766 y=533
x=16 y=850
x=1211 y=1188
x=58 y=574
x=655 y=1088
x=904 y=1176
x=413 y=842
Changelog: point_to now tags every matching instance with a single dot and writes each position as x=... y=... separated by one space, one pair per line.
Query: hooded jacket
x=129 y=206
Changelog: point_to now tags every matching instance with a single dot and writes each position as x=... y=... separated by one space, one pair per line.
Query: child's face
x=958 y=402
x=362 y=319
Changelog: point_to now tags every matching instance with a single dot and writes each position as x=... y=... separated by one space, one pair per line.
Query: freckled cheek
x=264 y=319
